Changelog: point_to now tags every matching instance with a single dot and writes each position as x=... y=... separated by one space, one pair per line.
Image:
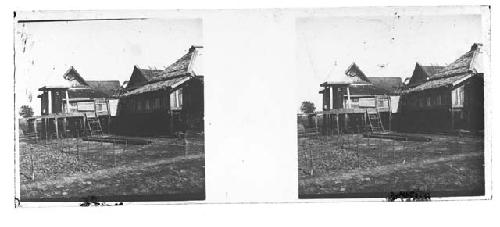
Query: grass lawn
x=354 y=166
x=72 y=169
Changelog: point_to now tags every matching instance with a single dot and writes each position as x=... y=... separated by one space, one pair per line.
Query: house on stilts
x=356 y=104
x=446 y=98
x=163 y=102
x=75 y=107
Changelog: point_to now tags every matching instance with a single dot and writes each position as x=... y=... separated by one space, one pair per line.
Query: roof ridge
x=75 y=75
x=354 y=66
x=476 y=47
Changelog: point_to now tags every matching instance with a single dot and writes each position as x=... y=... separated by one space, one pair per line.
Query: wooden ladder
x=375 y=121
x=94 y=125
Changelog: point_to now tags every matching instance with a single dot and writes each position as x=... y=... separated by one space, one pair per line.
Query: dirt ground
x=352 y=166
x=73 y=168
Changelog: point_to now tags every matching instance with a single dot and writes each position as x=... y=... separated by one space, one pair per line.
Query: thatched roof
x=367 y=89
x=149 y=74
x=78 y=87
x=174 y=75
x=171 y=83
x=440 y=82
x=454 y=73
x=422 y=73
x=360 y=84
x=86 y=93
x=107 y=87
x=462 y=65
x=431 y=70
x=141 y=76
x=392 y=84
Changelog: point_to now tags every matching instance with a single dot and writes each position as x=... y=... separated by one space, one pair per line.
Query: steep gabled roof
x=74 y=78
x=454 y=73
x=78 y=87
x=181 y=67
x=360 y=84
x=141 y=76
x=422 y=73
x=464 y=64
x=356 y=75
x=174 y=75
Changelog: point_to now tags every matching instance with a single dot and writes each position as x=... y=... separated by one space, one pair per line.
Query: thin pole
x=452 y=120
x=357 y=152
x=88 y=145
x=114 y=153
x=36 y=130
x=393 y=150
x=57 y=127
x=390 y=114
x=77 y=146
x=338 y=126
x=64 y=127
x=368 y=145
x=186 y=144
x=46 y=130
x=102 y=154
x=312 y=161
x=32 y=164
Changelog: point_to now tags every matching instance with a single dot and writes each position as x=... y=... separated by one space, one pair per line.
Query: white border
x=478 y=212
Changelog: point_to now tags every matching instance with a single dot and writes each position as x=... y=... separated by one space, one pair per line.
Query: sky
x=380 y=45
x=98 y=50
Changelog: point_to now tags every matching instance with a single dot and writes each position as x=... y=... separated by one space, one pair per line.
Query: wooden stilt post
x=171 y=122
x=81 y=126
x=36 y=130
x=109 y=124
x=57 y=127
x=65 y=121
x=331 y=124
x=85 y=122
x=452 y=120
x=337 y=122
x=346 y=121
x=46 y=129
x=316 y=123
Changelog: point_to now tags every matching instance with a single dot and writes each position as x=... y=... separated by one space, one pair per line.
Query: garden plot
x=73 y=168
x=350 y=163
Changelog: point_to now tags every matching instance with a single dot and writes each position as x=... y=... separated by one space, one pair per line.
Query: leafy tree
x=26 y=111
x=307 y=107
